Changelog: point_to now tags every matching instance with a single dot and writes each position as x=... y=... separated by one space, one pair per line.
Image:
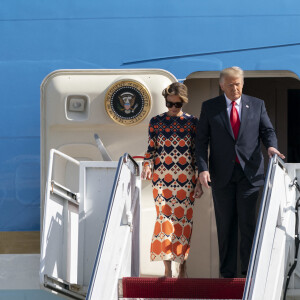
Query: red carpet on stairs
x=188 y=288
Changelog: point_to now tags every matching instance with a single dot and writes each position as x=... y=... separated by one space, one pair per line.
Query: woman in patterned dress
x=171 y=158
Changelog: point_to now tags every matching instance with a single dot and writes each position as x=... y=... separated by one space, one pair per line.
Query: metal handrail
x=123 y=160
x=259 y=226
x=127 y=157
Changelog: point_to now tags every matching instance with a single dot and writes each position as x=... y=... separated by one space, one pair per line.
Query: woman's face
x=173 y=110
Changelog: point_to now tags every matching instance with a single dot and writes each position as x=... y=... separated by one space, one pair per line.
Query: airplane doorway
x=282 y=99
x=281 y=92
x=293 y=125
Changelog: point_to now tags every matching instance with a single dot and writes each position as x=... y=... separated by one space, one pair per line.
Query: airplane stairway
x=112 y=272
x=273 y=272
x=120 y=281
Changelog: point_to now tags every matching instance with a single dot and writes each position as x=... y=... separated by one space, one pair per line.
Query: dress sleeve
x=150 y=153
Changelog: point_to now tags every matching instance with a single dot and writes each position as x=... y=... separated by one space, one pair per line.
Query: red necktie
x=235 y=122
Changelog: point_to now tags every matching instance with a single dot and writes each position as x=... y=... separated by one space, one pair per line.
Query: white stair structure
x=274 y=250
x=89 y=233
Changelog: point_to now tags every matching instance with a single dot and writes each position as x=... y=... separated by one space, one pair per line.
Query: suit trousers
x=235 y=207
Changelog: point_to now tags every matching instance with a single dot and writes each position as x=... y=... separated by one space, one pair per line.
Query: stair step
x=183 y=288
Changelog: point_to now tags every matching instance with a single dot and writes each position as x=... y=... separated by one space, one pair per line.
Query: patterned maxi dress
x=171 y=152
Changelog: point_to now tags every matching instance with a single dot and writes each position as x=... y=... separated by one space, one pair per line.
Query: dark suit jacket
x=214 y=130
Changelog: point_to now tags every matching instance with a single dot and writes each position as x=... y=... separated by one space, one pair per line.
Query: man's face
x=232 y=87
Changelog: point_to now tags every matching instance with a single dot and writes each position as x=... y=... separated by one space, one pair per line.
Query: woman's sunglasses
x=171 y=104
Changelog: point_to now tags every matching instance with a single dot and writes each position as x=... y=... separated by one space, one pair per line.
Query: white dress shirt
x=238 y=106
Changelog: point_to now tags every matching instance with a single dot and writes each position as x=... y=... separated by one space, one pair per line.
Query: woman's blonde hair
x=176 y=88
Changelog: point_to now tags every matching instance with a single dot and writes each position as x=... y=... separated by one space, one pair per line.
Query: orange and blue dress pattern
x=171 y=152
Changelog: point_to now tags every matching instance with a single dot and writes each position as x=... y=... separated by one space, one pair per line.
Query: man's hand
x=198 y=190
x=272 y=151
x=146 y=173
x=204 y=178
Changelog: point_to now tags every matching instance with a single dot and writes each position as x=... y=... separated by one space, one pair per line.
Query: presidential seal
x=127 y=102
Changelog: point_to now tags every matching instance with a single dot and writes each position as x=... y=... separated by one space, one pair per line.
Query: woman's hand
x=146 y=173
x=198 y=192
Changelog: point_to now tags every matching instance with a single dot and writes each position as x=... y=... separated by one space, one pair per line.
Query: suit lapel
x=245 y=114
x=224 y=115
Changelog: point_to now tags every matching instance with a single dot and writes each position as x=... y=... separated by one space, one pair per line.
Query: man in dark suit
x=232 y=125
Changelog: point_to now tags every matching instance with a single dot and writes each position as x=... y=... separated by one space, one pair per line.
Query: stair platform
x=181 y=288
